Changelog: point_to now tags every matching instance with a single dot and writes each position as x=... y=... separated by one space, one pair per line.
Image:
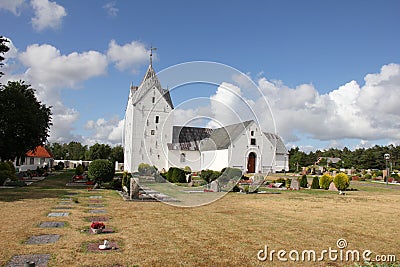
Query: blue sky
x=81 y=56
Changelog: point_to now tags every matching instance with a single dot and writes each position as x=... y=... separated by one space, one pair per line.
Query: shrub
x=303 y=181
x=101 y=170
x=236 y=188
x=228 y=174
x=126 y=178
x=288 y=182
x=7 y=171
x=209 y=175
x=146 y=169
x=315 y=183
x=176 y=175
x=325 y=180
x=59 y=166
x=187 y=169
x=341 y=181
x=79 y=170
x=367 y=176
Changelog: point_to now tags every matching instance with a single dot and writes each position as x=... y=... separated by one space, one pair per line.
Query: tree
x=25 y=129
x=101 y=170
x=315 y=183
x=117 y=154
x=341 y=181
x=303 y=181
x=325 y=181
x=98 y=151
x=3 y=49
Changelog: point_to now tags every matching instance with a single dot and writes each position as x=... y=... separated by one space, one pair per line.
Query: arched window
x=183 y=157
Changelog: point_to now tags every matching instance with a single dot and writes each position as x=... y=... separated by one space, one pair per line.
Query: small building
x=39 y=157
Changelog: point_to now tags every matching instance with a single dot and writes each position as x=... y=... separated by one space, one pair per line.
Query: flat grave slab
x=61 y=208
x=52 y=224
x=40 y=260
x=107 y=230
x=94 y=247
x=97 y=211
x=97 y=219
x=65 y=203
x=95 y=196
x=58 y=214
x=94 y=206
x=95 y=201
x=43 y=239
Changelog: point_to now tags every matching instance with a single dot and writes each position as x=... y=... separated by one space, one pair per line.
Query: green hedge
x=101 y=170
x=176 y=175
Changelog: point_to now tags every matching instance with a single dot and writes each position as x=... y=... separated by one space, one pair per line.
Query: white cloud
x=127 y=56
x=13 y=6
x=112 y=11
x=47 y=14
x=46 y=65
x=103 y=131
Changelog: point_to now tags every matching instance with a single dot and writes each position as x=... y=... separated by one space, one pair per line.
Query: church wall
x=215 y=159
x=191 y=159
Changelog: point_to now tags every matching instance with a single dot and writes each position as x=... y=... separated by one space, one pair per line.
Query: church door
x=251 y=163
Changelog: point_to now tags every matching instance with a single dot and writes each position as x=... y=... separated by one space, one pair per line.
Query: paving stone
x=52 y=224
x=97 y=211
x=43 y=239
x=95 y=197
x=40 y=260
x=58 y=214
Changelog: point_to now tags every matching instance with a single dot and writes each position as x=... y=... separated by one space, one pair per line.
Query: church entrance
x=251 y=163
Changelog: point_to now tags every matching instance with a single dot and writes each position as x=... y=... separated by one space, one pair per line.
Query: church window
x=157 y=119
x=153 y=100
x=147 y=122
x=252 y=133
x=253 y=141
x=158 y=156
x=153 y=132
x=183 y=157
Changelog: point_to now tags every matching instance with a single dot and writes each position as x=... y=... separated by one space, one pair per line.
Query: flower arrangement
x=97 y=225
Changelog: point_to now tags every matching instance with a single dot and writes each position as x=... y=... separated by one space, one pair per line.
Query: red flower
x=97 y=225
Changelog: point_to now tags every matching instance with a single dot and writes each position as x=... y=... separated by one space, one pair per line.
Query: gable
x=39 y=152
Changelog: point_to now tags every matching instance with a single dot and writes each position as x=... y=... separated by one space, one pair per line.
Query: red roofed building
x=40 y=157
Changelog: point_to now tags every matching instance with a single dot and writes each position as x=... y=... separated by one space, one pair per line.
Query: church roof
x=149 y=80
x=276 y=141
x=221 y=138
x=188 y=138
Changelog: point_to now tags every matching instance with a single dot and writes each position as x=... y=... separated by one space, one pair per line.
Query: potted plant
x=97 y=227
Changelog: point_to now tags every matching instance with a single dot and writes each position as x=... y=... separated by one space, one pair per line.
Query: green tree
x=76 y=151
x=101 y=170
x=79 y=170
x=303 y=181
x=117 y=154
x=341 y=181
x=98 y=151
x=315 y=183
x=24 y=121
x=325 y=180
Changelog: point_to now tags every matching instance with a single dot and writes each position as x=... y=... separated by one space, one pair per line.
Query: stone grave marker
x=97 y=211
x=95 y=197
x=58 y=214
x=62 y=208
x=52 y=224
x=332 y=187
x=43 y=239
x=214 y=186
x=134 y=192
x=40 y=260
x=295 y=185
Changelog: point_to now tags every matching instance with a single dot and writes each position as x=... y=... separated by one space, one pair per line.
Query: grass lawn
x=228 y=232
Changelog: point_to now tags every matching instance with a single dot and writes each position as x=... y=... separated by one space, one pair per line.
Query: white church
x=150 y=137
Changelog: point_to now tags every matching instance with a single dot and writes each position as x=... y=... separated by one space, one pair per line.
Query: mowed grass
x=228 y=232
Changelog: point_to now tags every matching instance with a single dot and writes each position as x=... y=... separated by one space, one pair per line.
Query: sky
x=329 y=70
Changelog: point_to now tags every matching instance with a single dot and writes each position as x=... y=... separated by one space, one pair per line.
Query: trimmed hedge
x=209 y=175
x=176 y=175
x=341 y=181
x=101 y=170
x=325 y=180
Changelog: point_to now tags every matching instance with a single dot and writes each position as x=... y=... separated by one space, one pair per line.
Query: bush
x=79 y=170
x=126 y=178
x=288 y=182
x=341 y=181
x=367 y=176
x=187 y=169
x=325 y=180
x=7 y=171
x=315 y=183
x=101 y=170
x=59 y=166
x=228 y=174
x=209 y=175
x=146 y=169
x=303 y=181
x=176 y=175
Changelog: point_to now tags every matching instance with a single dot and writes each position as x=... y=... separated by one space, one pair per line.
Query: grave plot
x=71 y=194
x=97 y=219
x=61 y=208
x=43 y=239
x=94 y=247
x=107 y=230
x=65 y=203
x=95 y=197
x=52 y=224
x=97 y=211
x=94 y=206
x=58 y=214
x=40 y=260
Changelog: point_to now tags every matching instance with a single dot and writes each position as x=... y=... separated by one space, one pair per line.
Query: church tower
x=148 y=123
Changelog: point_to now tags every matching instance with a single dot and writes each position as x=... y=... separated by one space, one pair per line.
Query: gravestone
x=188 y=178
x=134 y=192
x=40 y=260
x=295 y=185
x=97 y=211
x=214 y=186
x=52 y=224
x=95 y=196
x=58 y=214
x=332 y=187
x=93 y=206
x=43 y=239
x=61 y=208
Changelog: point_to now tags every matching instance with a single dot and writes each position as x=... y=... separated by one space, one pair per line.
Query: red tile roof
x=39 y=152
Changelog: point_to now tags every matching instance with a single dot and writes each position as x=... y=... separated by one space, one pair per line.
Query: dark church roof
x=277 y=142
x=188 y=138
